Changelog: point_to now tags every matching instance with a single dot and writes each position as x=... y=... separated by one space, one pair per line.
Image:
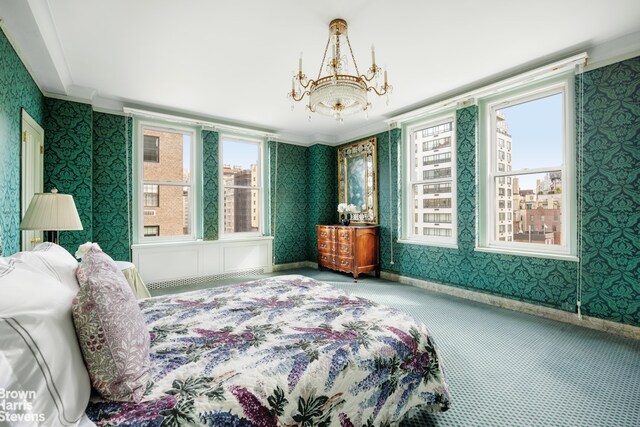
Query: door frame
x=31 y=172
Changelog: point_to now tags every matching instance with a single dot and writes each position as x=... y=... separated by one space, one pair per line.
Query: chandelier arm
x=386 y=89
x=367 y=79
x=355 y=64
x=309 y=83
x=306 y=92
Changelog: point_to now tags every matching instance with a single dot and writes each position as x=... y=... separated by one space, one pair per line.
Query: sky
x=536 y=128
x=239 y=153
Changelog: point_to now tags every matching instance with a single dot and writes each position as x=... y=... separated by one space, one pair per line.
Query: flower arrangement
x=344 y=208
x=345 y=211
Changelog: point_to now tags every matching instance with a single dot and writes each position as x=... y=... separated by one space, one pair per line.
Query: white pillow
x=39 y=351
x=53 y=260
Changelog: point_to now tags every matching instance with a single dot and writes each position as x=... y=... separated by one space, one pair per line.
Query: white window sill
x=243 y=237
x=423 y=243
x=532 y=254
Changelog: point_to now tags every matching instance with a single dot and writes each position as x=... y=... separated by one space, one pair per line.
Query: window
x=241 y=186
x=165 y=182
x=151 y=230
x=151 y=196
x=527 y=138
x=430 y=206
x=151 y=149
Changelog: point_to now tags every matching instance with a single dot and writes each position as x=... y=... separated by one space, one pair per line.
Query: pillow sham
x=113 y=336
x=40 y=361
x=54 y=260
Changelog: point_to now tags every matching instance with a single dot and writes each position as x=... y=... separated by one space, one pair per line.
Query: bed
x=281 y=351
x=77 y=349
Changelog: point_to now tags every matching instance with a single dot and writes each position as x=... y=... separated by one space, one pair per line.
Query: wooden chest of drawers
x=351 y=249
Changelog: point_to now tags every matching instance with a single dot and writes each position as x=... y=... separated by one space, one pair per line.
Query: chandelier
x=336 y=92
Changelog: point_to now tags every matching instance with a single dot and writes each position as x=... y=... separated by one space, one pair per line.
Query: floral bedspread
x=283 y=351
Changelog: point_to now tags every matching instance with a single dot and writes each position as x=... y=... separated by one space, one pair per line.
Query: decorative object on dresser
x=345 y=212
x=354 y=249
x=358 y=180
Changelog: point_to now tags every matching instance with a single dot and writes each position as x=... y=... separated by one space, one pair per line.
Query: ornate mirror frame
x=358 y=179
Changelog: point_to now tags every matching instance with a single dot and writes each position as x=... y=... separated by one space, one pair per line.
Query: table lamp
x=51 y=212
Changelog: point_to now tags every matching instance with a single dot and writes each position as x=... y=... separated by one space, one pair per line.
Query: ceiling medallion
x=338 y=93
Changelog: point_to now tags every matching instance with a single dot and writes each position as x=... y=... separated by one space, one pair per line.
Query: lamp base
x=52 y=236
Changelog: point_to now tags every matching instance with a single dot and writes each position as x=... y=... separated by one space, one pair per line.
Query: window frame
x=139 y=181
x=488 y=170
x=412 y=232
x=262 y=178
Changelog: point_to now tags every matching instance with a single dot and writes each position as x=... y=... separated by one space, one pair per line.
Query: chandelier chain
x=355 y=64
x=324 y=57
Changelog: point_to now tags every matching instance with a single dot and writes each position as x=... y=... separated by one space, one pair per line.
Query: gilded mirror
x=357 y=180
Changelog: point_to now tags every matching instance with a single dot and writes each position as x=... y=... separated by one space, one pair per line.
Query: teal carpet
x=506 y=368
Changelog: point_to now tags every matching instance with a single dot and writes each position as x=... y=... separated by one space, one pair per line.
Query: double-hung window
x=527 y=137
x=430 y=200
x=166 y=182
x=241 y=189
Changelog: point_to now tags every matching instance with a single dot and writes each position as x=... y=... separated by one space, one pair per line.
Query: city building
x=537 y=215
x=432 y=162
x=241 y=205
x=504 y=203
x=166 y=203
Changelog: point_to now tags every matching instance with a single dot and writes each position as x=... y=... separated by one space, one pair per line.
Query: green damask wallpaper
x=68 y=163
x=210 y=184
x=536 y=280
x=84 y=156
x=611 y=188
x=17 y=90
x=322 y=193
x=289 y=201
x=110 y=186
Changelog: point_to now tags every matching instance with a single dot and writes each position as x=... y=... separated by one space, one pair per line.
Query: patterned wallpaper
x=111 y=196
x=17 y=90
x=536 y=280
x=306 y=194
x=289 y=201
x=322 y=193
x=611 y=185
x=68 y=164
x=210 y=184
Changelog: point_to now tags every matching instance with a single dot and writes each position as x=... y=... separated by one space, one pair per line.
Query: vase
x=345 y=220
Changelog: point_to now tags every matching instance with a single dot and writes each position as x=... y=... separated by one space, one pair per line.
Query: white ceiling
x=232 y=61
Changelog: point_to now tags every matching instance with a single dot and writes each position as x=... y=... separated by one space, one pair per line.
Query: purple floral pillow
x=113 y=336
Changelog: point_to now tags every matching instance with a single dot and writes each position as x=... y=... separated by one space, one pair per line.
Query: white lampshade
x=51 y=211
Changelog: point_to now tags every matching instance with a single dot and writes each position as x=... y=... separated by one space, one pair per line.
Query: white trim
x=261 y=186
x=408 y=152
x=216 y=126
x=139 y=180
x=425 y=243
x=534 y=75
x=528 y=253
x=487 y=172
x=168 y=261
